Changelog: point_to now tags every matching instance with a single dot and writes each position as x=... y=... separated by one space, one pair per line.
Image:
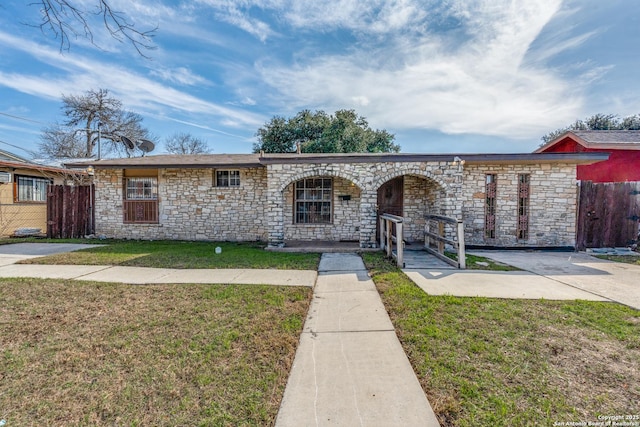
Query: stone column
x=274 y=207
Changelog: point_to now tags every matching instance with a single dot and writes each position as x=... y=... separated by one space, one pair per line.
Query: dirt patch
x=592 y=370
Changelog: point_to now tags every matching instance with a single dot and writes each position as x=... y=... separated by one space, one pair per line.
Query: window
x=313 y=201
x=490 y=207
x=229 y=178
x=141 y=200
x=523 y=206
x=30 y=189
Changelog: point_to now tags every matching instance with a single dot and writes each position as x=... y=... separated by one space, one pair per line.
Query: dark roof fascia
x=518 y=158
x=99 y=164
x=583 y=158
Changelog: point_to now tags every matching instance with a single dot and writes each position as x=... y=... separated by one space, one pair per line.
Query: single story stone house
x=505 y=200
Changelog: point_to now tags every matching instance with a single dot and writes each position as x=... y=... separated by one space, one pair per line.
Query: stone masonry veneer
x=261 y=208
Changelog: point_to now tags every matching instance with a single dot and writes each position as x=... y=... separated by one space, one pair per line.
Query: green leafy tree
x=318 y=132
x=92 y=116
x=597 y=122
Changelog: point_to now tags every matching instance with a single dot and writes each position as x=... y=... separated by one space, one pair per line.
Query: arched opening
x=412 y=197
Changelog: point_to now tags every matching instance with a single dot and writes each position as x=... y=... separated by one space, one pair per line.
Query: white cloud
x=481 y=84
x=79 y=74
x=180 y=75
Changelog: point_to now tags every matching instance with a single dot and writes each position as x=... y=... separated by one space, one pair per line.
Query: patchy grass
x=474 y=262
x=627 y=259
x=491 y=362
x=83 y=353
x=181 y=254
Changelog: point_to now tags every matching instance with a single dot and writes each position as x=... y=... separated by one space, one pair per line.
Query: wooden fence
x=70 y=212
x=608 y=214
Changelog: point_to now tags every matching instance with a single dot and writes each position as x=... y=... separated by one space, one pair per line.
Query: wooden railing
x=435 y=238
x=140 y=211
x=391 y=234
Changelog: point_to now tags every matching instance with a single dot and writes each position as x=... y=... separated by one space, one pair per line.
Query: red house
x=623 y=147
x=609 y=197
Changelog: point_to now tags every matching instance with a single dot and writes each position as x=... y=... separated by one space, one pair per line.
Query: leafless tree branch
x=65 y=20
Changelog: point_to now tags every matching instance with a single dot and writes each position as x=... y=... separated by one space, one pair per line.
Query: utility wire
x=20 y=118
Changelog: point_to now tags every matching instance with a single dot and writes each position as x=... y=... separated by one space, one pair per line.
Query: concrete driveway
x=611 y=280
x=14 y=252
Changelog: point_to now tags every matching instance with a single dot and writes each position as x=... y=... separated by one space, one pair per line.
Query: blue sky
x=443 y=76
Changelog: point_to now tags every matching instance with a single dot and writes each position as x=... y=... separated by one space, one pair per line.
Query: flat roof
x=258 y=160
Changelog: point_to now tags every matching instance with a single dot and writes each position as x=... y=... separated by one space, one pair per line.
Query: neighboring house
x=609 y=196
x=623 y=147
x=519 y=200
x=23 y=194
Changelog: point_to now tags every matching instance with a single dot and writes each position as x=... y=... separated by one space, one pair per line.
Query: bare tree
x=92 y=117
x=185 y=143
x=67 y=18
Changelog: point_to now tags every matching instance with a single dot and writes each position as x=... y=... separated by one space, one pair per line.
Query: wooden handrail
x=440 y=239
x=388 y=239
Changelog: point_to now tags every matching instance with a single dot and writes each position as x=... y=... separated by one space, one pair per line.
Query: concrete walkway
x=9 y=254
x=350 y=369
x=614 y=281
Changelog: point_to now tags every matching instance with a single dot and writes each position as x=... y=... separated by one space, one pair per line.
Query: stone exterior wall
x=345 y=225
x=190 y=207
x=552 y=214
x=421 y=196
x=367 y=177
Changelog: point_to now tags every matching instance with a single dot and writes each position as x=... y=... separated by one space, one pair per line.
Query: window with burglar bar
x=31 y=189
x=141 y=200
x=313 y=201
x=490 y=206
x=523 y=206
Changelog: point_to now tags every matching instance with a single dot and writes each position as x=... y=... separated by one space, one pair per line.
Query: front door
x=390 y=200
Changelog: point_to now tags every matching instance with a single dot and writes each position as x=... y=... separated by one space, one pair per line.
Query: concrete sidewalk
x=145 y=275
x=609 y=280
x=495 y=284
x=350 y=369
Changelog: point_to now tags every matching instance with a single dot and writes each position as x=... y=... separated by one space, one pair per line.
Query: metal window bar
x=523 y=206
x=490 y=207
x=313 y=201
x=140 y=205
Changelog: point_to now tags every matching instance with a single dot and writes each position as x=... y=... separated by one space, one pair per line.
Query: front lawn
x=496 y=362
x=83 y=353
x=182 y=254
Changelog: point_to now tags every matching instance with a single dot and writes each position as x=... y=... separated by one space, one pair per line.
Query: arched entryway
x=411 y=196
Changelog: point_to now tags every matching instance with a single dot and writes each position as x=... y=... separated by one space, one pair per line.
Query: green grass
x=493 y=362
x=182 y=254
x=474 y=262
x=83 y=353
x=627 y=259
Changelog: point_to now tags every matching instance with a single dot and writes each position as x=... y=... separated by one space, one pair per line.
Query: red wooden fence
x=70 y=212
x=608 y=214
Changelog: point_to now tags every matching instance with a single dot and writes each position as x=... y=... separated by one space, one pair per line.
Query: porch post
x=368 y=216
x=274 y=214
